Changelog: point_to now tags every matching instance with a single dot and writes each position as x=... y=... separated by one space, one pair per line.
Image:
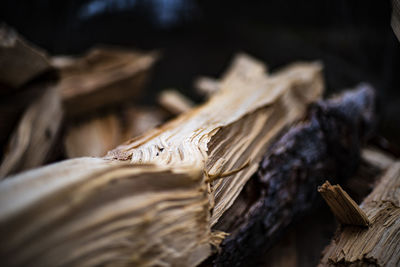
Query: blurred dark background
x=353 y=39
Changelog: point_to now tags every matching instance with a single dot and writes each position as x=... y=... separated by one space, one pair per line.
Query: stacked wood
x=153 y=200
x=222 y=181
x=375 y=245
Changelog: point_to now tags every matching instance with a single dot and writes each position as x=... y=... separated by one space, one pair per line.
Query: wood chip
x=377 y=245
x=342 y=205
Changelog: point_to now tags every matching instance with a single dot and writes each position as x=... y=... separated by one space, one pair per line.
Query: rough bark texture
x=377 y=245
x=318 y=226
x=326 y=145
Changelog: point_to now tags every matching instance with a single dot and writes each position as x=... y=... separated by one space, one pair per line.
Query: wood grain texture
x=327 y=144
x=235 y=126
x=377 y=245
x=100 y=212
x=147 y=202
x=342 y=205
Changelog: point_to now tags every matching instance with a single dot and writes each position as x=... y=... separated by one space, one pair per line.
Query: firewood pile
x=91 y=177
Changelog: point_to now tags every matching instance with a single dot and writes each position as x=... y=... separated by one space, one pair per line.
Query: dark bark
x=325 y=146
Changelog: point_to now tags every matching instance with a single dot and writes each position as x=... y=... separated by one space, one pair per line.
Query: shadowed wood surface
x=377 y=245
x=327 y=144
x=31 y=143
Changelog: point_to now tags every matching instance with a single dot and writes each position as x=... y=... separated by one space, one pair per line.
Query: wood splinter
x=212 y=177
x=377 y=245
x=342 y=205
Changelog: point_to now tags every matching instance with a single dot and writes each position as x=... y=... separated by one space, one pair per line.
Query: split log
x=327 y=144
x=103 y=77
x=377 y=245
x=233 y=129
x=35 y=135
x=89 y=212
x=153 y=200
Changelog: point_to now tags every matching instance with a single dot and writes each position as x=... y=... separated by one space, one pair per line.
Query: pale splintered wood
x=147 y=202
x=20 y=61
x=342 y=205
x=377 y=245
x=233 y=128
x=89 y=212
